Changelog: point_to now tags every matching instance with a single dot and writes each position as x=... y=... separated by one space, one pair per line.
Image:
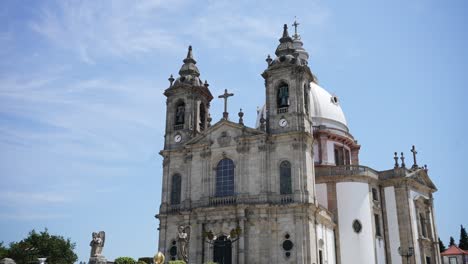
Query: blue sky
x=82 y=110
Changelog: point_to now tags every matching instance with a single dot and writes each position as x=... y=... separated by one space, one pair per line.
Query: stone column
x=241 y=241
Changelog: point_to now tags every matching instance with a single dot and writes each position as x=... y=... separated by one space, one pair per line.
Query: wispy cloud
x=32 y=198
x=94 y=29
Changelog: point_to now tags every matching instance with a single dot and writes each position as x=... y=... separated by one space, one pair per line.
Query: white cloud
x=94 y=29
x=32 y=198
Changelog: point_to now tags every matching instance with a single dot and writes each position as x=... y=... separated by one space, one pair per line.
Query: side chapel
x=289 y=190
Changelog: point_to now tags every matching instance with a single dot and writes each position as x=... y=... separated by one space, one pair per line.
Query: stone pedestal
x=97 y=260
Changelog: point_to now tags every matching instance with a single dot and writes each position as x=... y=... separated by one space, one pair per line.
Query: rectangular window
x=377 y=225
x=453 y=260
x=347 y=157
x=339 y=159
x=423 y=225
x=428 y=260
x=320 y=257
x=375 y=195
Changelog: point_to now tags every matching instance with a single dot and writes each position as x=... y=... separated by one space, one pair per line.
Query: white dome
x=325 y=108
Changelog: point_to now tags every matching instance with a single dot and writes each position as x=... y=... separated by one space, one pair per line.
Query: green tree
x=442 y=247
x=124 y=260
x=56 y=249
x=463 y=243
x=452 y=241
x=3 y=251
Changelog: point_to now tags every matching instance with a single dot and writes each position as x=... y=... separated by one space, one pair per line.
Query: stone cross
x=225 y=97
x=295 y=24
x=415 y=165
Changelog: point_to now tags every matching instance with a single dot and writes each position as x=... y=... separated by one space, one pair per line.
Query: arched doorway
x=222 y=250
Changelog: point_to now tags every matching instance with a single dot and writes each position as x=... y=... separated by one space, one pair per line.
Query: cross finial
x=225 y=97
x=295 y=24
x=415 y=164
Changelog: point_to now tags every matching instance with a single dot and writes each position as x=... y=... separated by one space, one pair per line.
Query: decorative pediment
x=421 y=177
x=224 y=133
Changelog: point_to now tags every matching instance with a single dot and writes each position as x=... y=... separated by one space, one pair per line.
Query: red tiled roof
x=454 y=250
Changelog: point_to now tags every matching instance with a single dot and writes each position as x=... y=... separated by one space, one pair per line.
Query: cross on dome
x=295 y=24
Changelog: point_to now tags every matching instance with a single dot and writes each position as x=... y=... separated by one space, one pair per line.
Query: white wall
x=380 y=250
x=321 y=192
x=326 y=235
x=392 y=221
x=354 y=203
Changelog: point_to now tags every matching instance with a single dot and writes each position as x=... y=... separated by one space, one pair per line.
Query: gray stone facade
x=228 y=181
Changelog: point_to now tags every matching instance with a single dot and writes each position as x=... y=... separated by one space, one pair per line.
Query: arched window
x=176 y=185
x=285 y=178
x=225 y=178
x=282 y=98
x=306 y=98
x=180 y=113
x=202 y=117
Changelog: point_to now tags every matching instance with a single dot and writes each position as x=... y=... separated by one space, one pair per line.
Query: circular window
x=173 y=251
x=288 y=245
x=357 y=226
x=287 y=254
x=173 y=243
x=334 y=99
x=287 y=236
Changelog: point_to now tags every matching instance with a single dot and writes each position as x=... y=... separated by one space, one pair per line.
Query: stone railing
x=225 y=200
x=346 y=170
x=282 y=110
x=179 y=127
x=174 y=208
x=233 y=200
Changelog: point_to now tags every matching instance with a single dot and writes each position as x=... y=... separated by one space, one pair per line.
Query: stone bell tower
x=287 y=87
x=188 y=104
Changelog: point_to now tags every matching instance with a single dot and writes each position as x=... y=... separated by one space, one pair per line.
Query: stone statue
x=183 y=237
x=97 y=243
x=180 y=114
x=283 y=96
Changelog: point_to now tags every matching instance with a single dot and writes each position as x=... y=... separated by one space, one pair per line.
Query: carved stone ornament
x=188 y=157
x=205 y=153
x=296 y=145
x=224 y=140
x=243 y=147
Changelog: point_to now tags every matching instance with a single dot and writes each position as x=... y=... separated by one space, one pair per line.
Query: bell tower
x=188 y=104
x=287 y=80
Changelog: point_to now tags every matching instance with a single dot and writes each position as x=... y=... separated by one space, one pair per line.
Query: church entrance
x=222 y=250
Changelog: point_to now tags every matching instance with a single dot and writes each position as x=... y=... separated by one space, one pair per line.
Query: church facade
x=289 y=190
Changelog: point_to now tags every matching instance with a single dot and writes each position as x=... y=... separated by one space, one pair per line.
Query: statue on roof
x=97 y=243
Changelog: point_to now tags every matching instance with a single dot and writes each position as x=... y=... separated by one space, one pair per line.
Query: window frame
x=285 y=177
x=225 y=178
x=176 y=194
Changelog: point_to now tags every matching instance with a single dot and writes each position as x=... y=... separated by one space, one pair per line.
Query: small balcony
x=282 y=110
x=179 y=127
x=346 y=170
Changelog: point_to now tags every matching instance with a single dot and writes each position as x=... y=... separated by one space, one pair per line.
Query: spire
x=285 y=37
x=286 y=44
x=189 y=67
x=189 y=56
